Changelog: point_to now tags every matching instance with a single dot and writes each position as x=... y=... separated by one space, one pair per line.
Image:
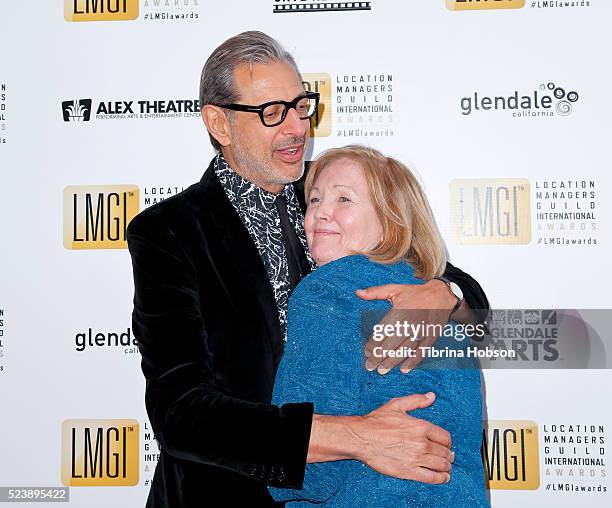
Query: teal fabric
x=323 y=362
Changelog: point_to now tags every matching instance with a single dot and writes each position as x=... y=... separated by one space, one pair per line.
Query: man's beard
x=262 y=168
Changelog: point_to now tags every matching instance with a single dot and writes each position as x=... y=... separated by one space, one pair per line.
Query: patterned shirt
x=256 y=209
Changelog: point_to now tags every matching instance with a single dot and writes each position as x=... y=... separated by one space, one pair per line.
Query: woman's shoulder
x=340 y=271
x=354 y=272
x=329 y=278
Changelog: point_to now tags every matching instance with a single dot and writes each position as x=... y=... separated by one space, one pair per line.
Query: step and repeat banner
x=502 y=107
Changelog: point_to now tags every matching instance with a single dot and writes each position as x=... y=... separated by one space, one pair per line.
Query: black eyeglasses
x=274 y=113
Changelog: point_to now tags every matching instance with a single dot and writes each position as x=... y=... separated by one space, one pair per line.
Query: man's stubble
x=259 y=168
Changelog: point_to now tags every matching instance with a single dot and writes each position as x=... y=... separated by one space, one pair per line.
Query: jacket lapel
x=242 y=255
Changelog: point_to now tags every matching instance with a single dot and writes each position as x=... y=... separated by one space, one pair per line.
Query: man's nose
x=294 y=125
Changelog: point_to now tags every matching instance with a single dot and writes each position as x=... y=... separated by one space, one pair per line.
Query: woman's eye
x=344 y=199
x=314 y=200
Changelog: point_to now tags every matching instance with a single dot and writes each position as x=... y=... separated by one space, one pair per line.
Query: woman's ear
x=217 y=124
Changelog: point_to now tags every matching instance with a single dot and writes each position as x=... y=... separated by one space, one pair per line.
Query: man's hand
x=433 y=294
x=429 y=304
x=388 y=440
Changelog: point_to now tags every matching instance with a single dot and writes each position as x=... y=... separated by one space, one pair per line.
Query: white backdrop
x=431 y=61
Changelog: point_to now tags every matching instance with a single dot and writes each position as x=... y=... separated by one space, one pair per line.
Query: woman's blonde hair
x=409 y=228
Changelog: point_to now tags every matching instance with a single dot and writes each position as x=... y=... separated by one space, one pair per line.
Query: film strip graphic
x=315 y=6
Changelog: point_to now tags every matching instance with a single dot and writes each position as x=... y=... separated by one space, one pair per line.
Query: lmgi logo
x=470 y=5
x=510 y=455
x=97 y=216
x=321 y=122
x=491 y=211
x=100 y=10
x=100 y=452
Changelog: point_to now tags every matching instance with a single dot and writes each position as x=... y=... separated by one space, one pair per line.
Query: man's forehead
x=267 y=82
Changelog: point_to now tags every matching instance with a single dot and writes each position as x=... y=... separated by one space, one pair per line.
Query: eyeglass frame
x=288 y=105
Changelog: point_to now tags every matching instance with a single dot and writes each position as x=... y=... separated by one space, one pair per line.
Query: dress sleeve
x=319 y=362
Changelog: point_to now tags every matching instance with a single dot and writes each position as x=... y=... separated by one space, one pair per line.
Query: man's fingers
x=441 y=451
x=422 y=474
x=439 y=435
x=436 y=463
x=419 y=450
x=412 y=402
x=378 y=339
x=402 y=351
x=402 y=337
x=387 y=344
x=413 y=361
x=390 y=354
x=385 y=292
x=379 y=345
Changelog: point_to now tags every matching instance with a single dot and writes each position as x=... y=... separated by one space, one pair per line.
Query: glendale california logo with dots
x=545 y=100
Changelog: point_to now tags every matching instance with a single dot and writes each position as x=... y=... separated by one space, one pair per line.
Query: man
x=213 y=268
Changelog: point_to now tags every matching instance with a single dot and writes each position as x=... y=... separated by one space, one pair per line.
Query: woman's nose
x=322 y=211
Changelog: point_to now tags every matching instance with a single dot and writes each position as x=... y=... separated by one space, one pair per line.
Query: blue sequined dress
x=323 y=362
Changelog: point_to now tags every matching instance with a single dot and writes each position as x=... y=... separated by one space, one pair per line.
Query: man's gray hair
x=217 y=81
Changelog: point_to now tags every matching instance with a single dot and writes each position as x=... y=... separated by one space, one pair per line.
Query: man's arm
x=434 y=294
x=193 y=419
x=388 y=440
x=431 y=303
x=474 y=298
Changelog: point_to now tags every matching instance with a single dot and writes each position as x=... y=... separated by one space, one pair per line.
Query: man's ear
x=217 y=124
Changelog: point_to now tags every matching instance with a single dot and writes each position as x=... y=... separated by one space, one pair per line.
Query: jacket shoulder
x=183 y=207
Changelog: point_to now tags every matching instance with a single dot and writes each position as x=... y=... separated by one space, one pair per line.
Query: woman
x=368 y=223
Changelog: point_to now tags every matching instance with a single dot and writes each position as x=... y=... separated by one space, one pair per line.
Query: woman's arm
x=320 y=364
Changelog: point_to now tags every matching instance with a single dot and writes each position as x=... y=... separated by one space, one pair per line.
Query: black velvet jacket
x=209 y=335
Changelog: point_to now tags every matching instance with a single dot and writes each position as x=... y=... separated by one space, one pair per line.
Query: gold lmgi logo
x=97 y=216
x=471 y=5
x=510 y=455
x=100 y=10
x=100 y=452
x=491 y=211
x=321 y=123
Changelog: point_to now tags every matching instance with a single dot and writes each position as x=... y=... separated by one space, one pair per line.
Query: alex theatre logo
x=77 y=110
x=491 y=211
x=470 y=5
x=100 y=10
x=321 y=122
x=100 y=453
x=510 y=455
x=97 y=216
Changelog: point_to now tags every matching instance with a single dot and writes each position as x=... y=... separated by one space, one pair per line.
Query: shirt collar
x=241 y=190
